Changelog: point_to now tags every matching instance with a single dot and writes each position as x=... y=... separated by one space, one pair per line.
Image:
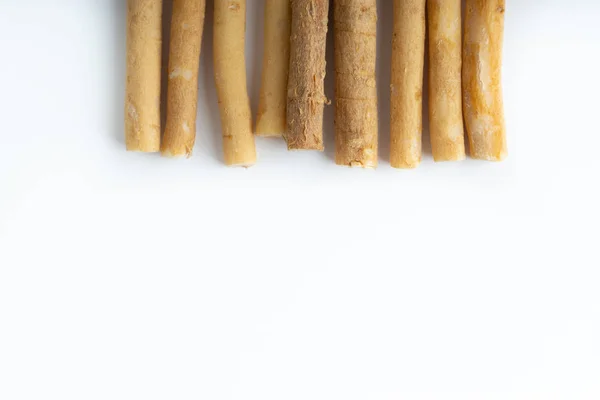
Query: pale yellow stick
x=230 y=78
x=187 y=24
x=482 y=86
x=445 y=97
x=408 y=57
x=356 y=88
x=142 y=98
x=271 y=116
x=306 y=90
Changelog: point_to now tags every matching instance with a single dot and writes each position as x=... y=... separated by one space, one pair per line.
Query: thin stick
x=482 y=86
x=187 y=24
x=408 y=57
x=445 y=63
x=356 y=88
x=230 y=78
x=276 y=61
x=142 y=98
x=306 y=90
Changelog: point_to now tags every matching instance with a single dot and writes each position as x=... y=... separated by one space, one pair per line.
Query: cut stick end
x=247 y=164
x=269 y=127
x=449 y=158
x=244 y=159
x=168 y=153
x=314 y=143
x=370 y=164
x=405 y=161
x=173 y=146
x=142 y=149
x=305 y=146
x=490 y=157
x=404 y=165
x=239 y=153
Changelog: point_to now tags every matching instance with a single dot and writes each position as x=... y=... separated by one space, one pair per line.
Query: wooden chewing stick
x=271 y=118
x=187 y=24
x=445 y=93
x=356 y=124
x=408 y=58
x=230 y=78
x=306 y=90
x=482 y=86
x=142 y=97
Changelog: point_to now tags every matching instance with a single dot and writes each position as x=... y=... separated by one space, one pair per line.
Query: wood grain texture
x=445 y=92
x=271 y=118
x=230 y=78
x=482 y=84
x=408 y=58
x=306 y=91
x=142 y=97
x=187 y=24
x=356 y=114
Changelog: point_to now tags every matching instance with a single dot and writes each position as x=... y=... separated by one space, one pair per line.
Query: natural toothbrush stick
x=356 y=89
x=230 y=78
x=482 y=86
x=142 y=97
x=187 y=24
x=445 y=97
x=306 y=91
x=408 y=57
x=276 y=61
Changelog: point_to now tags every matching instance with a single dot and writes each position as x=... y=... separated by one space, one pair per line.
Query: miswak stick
x=271 y=118
x=408 y=58
x=306 y=90
x=230 y=78
x=142 y=92
x=482 y=86
x=356 y=88
x=445 y=93
x=187 y=24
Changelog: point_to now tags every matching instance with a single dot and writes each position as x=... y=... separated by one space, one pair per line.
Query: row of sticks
x=464 y=78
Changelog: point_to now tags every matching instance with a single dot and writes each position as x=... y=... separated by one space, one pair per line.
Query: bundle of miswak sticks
x=465 y=92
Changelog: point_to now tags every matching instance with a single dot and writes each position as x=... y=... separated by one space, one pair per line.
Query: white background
x=129 y=276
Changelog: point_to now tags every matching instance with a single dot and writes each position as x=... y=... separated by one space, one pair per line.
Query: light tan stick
x=482 y=86
x=356 y=88
x=142 y=98
x=306 y=90
x=276 y=61
x=408 y=57
x=445 y=97
x=187 y=24
x=230 y=77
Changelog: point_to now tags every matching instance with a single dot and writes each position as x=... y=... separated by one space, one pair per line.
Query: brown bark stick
x=306 y=91
x=356 y=88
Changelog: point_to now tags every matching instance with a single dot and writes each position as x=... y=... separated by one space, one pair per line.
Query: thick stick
x=271 y=116
x=306 y=91
x=230 y=78
x=187 y=24
x=482 y=86
x=356 y=88
x=445 y=97
x=142 y=98
x=408 y=57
